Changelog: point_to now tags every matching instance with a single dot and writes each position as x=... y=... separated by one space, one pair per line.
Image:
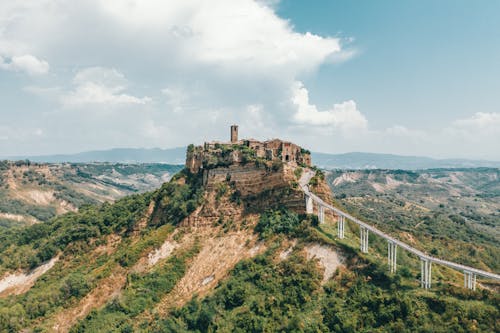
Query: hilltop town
x=236 y=152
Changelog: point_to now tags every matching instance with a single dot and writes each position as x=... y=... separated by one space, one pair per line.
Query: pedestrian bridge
x=426 y=260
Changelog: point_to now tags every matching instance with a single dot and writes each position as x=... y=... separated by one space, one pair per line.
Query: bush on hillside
x=285 y=222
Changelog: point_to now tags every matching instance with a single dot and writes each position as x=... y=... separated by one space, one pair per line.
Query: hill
x=33 y=192
x=226 y=247
x=323 y=160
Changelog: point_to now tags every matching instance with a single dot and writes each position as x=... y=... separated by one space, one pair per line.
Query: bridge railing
x=470 y=273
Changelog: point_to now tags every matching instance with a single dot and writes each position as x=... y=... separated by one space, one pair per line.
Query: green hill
x=186 y=258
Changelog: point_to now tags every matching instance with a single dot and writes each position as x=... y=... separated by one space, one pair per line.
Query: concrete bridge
x=426 y=260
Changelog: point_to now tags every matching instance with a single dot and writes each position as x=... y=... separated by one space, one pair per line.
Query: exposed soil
x=218 y=255
x=328 y=258
x=163 y=252
x=19 y=218
x=107 y=289
x=19 y=283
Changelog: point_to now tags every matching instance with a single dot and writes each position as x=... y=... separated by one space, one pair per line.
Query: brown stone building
x=233 y=152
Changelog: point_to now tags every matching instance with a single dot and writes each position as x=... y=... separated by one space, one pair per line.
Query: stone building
x=233 y=152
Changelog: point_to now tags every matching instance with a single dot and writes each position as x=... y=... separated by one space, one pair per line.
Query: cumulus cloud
x=188 y=63
x=26 y=63
x=479 y=121
x=98 y=85
x=192 y=67
x=344 y=115
x=240 y=36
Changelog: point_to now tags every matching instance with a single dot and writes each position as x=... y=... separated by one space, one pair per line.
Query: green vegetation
x=284 y=222
x=30 y=246
x=260 y=296
x=266 y=295
x=176 y=200
x=222 y=156
x=298 y=172
x=142 y=292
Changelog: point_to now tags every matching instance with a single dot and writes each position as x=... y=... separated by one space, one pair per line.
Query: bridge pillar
x=321 y=214
x=340 y=227
x=425 y=273
x=309 y=204
x=363 y=239
x=469 y=280
x=392 y=255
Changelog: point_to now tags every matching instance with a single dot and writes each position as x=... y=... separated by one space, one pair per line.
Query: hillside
x=226 y=248
x=352 y=160
x=33 y=192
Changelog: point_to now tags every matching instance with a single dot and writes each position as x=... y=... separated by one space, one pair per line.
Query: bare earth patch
x=19 y=218
x=347 y=177
x=218 y=255
x=40 y=197
x=163 y=252
x=19 y=283
x=328 y=258
x=107 y=289
x=285 y=253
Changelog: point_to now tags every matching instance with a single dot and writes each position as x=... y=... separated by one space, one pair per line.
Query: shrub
x=283 y=222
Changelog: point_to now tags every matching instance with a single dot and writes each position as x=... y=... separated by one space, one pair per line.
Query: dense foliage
x=285 y=222
x=177 y=199
x=263 y=295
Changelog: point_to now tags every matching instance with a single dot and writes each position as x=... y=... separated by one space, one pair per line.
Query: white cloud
x=215 y=59
x=344 y=116
x=241 y=36
x=237 y=37
x=26 y=63
x=479 y=121
x=193 y=67
x=98 y=85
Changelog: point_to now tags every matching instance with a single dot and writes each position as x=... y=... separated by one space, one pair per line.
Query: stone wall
x=260 y=187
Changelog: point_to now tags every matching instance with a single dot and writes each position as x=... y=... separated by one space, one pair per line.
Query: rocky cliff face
x=257 y=178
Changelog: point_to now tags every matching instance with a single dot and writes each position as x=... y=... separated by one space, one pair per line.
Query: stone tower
x=234 y=133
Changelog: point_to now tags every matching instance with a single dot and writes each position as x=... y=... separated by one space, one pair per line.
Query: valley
x=35 y=192
x=452 y=213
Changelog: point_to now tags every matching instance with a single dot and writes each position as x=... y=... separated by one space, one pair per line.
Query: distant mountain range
x=115 y=155
x=389 y=161
x=323 y=160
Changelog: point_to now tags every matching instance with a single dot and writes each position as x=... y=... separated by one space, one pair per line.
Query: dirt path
x=306 y=176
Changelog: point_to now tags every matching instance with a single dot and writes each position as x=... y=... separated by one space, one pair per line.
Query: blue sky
x=403 y=77
x=418 y=61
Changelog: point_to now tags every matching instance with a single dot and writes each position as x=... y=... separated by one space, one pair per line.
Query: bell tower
x=234 y=133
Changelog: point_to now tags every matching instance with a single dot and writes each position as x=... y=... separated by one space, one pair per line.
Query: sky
x=402 y=77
